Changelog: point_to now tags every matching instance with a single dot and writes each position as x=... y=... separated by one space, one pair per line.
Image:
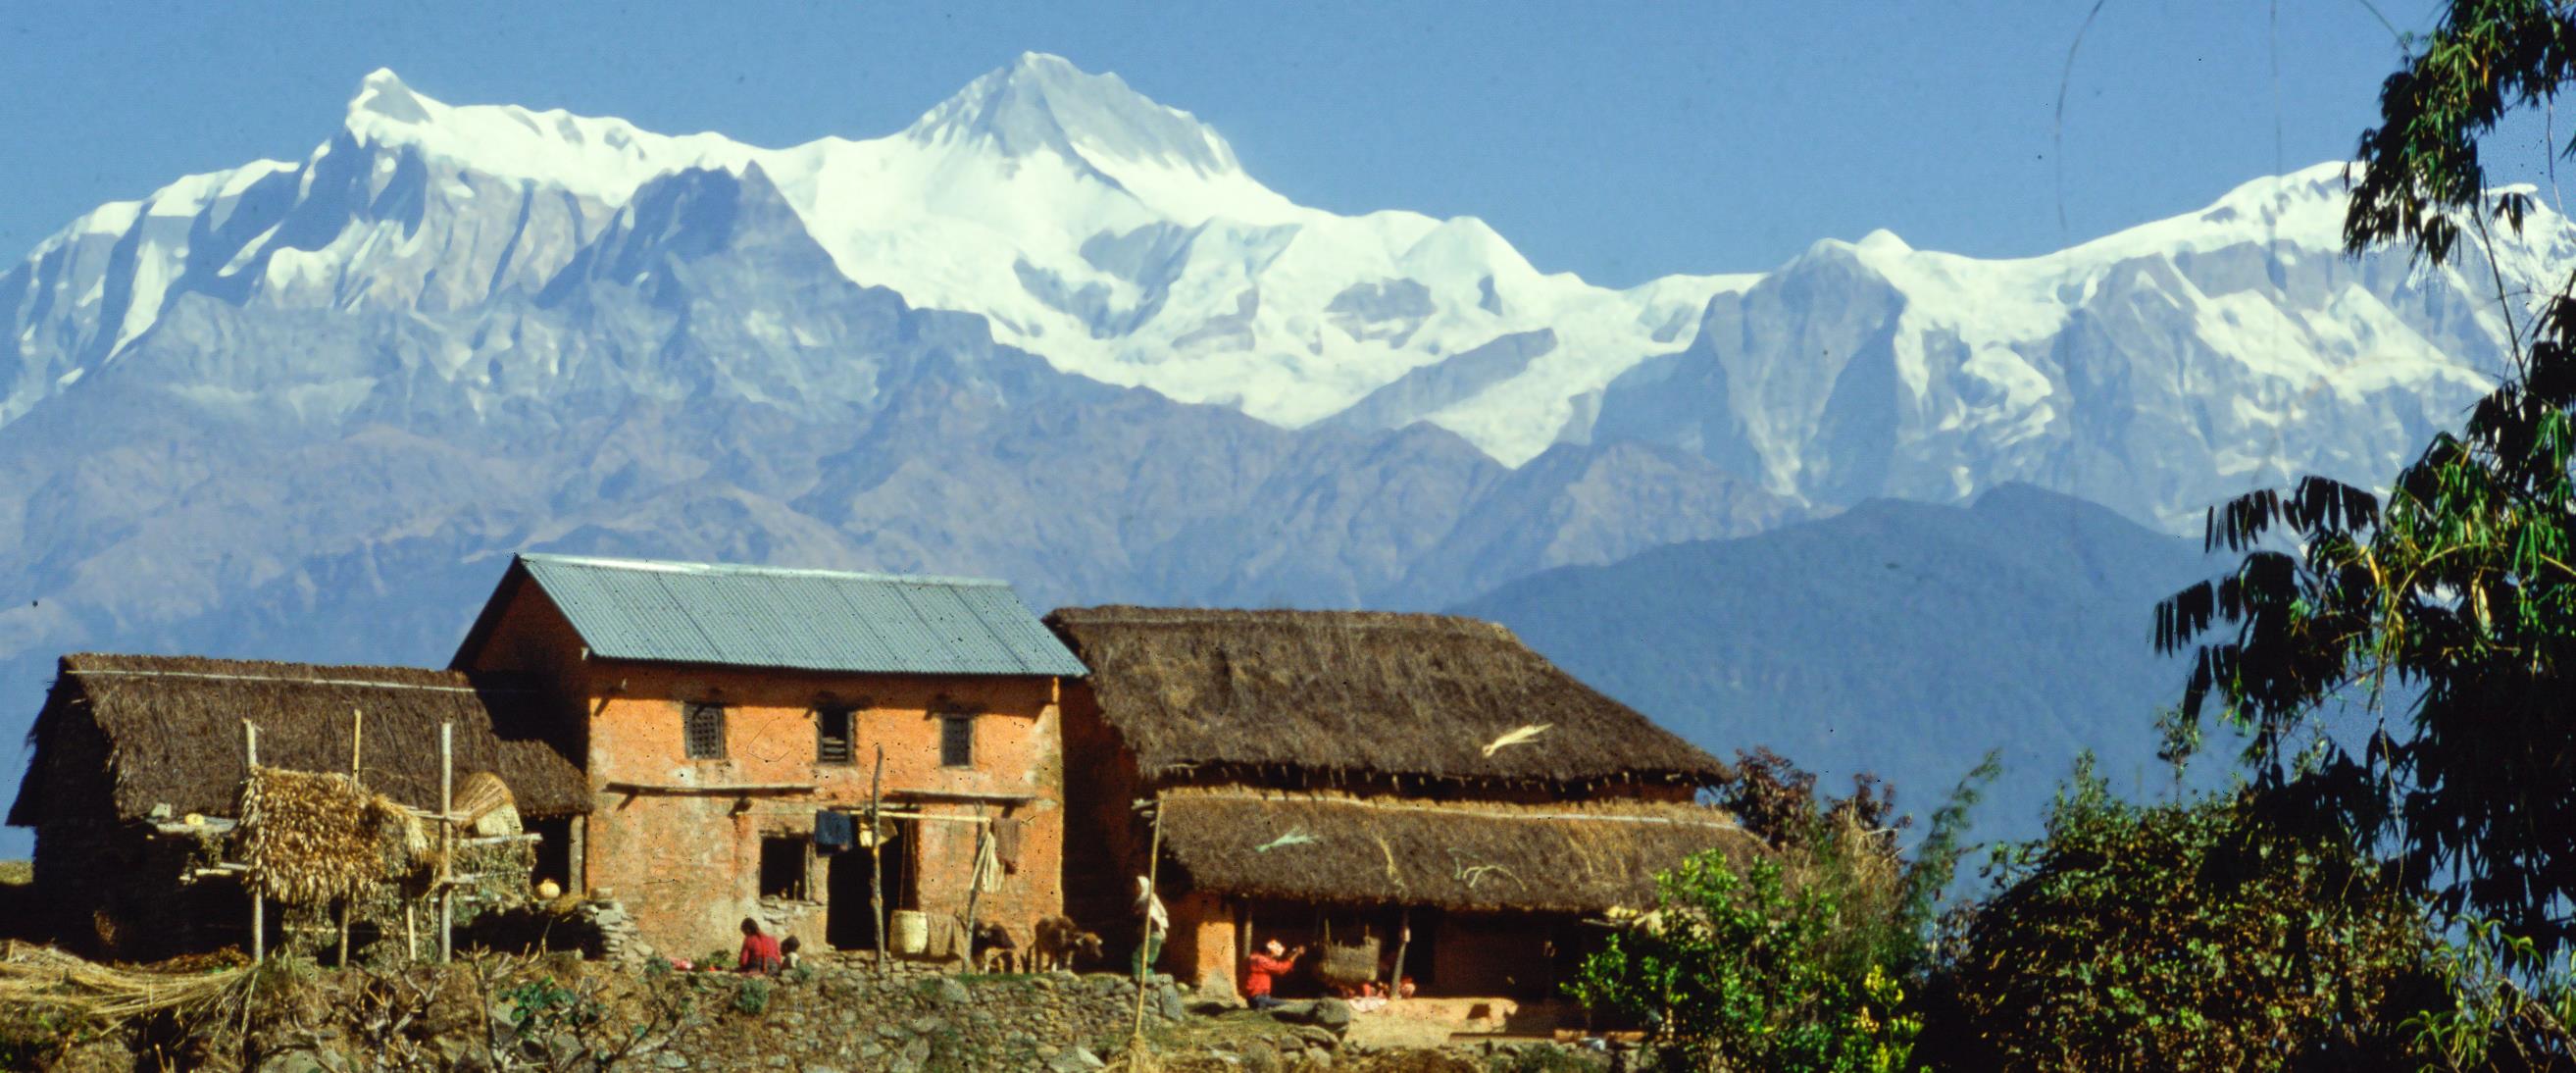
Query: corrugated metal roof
x=823 y=620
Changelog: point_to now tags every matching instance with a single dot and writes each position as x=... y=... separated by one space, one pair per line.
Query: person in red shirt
x=1262 y=969
x=759 y=952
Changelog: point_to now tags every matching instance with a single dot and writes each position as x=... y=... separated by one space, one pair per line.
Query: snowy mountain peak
x=1045 y=102
x=383 y=93
x=1884 y=241
x=599 y=157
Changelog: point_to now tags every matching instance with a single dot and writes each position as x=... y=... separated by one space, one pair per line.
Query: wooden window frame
x=956 y=740
x=847 y=740
x=695 y=734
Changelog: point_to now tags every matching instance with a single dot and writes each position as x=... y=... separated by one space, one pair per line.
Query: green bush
x=753 y=996
x=1737 y=968
x=1798 y=957
x=2193 y=935
x=544 y=1005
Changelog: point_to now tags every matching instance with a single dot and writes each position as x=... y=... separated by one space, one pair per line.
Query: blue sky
x=1617 y=141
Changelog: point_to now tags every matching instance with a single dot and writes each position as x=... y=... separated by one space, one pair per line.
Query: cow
x=995 y=949
x=1062 y=945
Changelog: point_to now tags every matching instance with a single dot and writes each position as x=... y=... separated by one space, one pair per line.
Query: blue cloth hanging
x=834 y=831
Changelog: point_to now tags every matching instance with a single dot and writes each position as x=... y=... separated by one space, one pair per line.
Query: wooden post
x=1153 y=871
x=974 y=893
x=258 y=894
x=1403 y=939
x=876 y=854
x=446 y=837
x=357 y=737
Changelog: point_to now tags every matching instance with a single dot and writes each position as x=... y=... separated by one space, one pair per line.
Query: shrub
x=1735 y=968
x=1798 y=958
x=2193 y=935
x=753 y=996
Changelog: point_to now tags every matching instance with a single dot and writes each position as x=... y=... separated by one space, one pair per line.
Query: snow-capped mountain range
x=1115 y=236
x=1121 y=240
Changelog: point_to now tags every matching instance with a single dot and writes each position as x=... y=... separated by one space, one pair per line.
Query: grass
x=17 y=873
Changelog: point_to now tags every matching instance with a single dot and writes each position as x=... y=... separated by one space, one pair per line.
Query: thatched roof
x=167 y=730
x=1452 y=855
x=1358 y=693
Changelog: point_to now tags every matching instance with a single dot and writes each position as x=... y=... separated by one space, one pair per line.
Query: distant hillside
x=1900 y=638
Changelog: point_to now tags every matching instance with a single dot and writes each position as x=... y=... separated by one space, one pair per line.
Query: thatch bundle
x=43 y=980
x=1461 y=855
x=1359 y=695
x=314 y=838
x=487 y=806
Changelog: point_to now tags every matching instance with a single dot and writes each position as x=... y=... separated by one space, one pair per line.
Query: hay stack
x=316 y=838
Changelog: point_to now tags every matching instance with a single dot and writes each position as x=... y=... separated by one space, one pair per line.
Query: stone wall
x=851 y=1019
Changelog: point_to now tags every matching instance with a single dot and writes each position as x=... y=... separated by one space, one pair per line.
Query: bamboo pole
x=974 y=893
x=258 y=894
x=1153 y=872
x=446 y=838
x=876 y=854
x=357 y=742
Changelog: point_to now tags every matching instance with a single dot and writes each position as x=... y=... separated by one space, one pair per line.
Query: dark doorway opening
x=554 y=851
x=849 y=922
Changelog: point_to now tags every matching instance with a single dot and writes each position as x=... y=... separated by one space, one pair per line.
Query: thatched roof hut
x=122 y=734
x=1358 y=695
x=1457 y=855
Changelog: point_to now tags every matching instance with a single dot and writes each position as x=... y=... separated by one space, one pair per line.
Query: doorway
x=849 y=921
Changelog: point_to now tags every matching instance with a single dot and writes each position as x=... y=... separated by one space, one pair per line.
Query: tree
x=2454 y=600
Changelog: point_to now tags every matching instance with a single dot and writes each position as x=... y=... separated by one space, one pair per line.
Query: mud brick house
x=126 y=748
x=1364 y=776
x=714 y=711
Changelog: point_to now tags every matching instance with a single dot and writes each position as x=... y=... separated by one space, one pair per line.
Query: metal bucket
x=911 y=928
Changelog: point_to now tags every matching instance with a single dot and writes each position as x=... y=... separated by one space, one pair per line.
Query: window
x=782 y=866
x=832 y=735
x=957 y=741
x=705 y=731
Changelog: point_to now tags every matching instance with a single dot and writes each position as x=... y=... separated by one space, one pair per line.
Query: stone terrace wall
x=850 y=1019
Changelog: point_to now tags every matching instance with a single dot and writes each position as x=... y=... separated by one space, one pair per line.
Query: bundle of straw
x=313 y=838
x=482 y=794
x=42 y=979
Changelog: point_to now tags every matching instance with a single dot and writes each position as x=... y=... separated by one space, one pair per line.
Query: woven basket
x=1348 y=964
